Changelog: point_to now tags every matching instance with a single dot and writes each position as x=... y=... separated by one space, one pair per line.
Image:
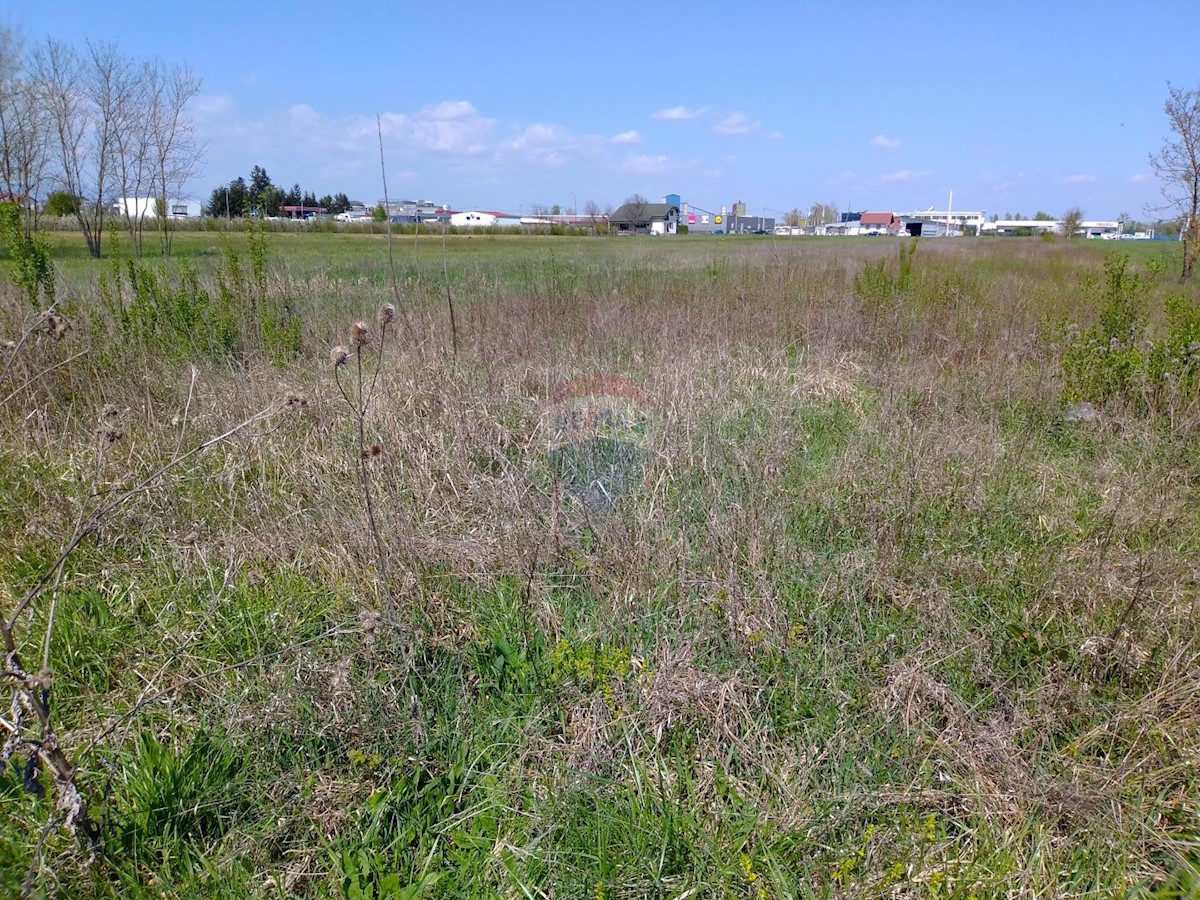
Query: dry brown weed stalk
x=358 y=396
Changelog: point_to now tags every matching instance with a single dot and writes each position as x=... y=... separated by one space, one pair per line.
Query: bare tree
x=1177 y=165
x=822 y=214
x=592 y=209
x=87 y=100
x=132 y=158
x=638 y=208
x=1071 y=221
x=795 y=218
x=23 y=129
x=176 y=150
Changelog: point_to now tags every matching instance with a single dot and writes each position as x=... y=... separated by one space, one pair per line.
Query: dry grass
x=872 y=620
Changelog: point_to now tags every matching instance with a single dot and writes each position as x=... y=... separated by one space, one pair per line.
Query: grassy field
x=697 y=567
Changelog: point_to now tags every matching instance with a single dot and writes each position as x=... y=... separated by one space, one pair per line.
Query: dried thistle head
x=108 y=436
x=293 y=400
x=338 y=356
x=387 y=314
x=372 y=624
x=57 y=326
x=360 y=335
x=371 y=452
x=109 y=413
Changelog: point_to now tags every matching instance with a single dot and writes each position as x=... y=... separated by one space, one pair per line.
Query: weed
x=32 y=265
x=1116 y=361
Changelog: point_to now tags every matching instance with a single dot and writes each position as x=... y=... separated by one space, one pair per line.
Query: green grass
x=876 y=620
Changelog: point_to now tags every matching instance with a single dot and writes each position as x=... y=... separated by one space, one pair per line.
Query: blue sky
x=1014 y=106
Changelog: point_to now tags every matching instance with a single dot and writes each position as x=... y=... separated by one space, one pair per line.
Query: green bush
x=875 y=284
x=1116 y=361
x=61 y=203
x=244 y=315
x=32 y=267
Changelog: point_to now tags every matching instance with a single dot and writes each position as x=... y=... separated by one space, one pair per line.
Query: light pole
x=574 y=204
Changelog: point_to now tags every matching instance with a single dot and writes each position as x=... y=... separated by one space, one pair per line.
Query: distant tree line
x=258 y=196
x=94 y=124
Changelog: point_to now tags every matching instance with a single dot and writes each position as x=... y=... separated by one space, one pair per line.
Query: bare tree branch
x=1177 y=164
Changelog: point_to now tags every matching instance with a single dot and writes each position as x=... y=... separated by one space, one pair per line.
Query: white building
x=148 y=208
x=1089 y=229
x=954 y=220
x=476 y=218
x=1107 y=230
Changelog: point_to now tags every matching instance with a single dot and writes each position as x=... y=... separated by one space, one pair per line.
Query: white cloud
x=776 y=135
x=302 y=116
x=1079 y=179
x=451 y=111
x=679 y=114
x=304 y=143
x=736 y=123
x=208 y=106
x=902 y=175
x=451 y=128
x=1138 y=178
x=537 y=135
x=446 y=142
x=885 y=143
x=552 y=145
x=842 y=177
x=647 y=165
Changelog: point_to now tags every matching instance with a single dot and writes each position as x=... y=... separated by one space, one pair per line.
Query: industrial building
x=476 y=218
x=1087 y=229
x=148 y=207
x=412 y=212
x=952 y=222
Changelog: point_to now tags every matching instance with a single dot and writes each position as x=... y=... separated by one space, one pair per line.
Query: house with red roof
x=878 y=223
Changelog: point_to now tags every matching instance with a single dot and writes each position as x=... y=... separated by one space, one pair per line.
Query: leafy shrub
x=1115 y=361
x=33 y=269
x=875 y=285
x=244 y=315
x=1106 y=361
x=149 y=304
